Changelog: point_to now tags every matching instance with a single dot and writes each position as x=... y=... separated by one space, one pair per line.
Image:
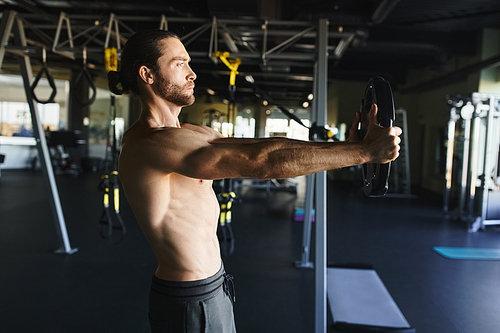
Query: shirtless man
x=167 y=169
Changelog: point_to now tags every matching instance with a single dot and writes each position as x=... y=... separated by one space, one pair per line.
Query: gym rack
x=472 y=186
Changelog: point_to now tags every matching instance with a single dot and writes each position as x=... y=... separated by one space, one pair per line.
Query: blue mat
x=467 y=253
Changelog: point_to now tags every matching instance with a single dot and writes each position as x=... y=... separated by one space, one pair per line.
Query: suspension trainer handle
x=50 y=79
x=84 y=74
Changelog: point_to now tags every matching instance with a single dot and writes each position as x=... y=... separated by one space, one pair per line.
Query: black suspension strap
x=85 y=74
x=225 y=230
x=316 y=133
x=111 y=219
x=227 y=197
x=50 y=79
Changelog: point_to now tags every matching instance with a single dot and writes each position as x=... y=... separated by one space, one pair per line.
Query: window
x=15 y=118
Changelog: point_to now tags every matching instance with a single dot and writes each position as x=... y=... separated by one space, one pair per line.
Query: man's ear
x=146 y=75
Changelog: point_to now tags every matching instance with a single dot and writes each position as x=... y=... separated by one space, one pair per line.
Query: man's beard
x=172 y=92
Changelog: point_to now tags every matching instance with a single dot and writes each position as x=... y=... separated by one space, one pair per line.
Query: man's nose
x=192 y=75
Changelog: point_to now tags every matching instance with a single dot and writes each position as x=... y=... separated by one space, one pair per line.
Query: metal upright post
x=476 y=127
x=449 y=157
x=305 y=261
x=41 y=143
x=320 y=260
x=306 y=233
x=486 y=179
x=5 y=29
x=467 y=114
x=406 y=150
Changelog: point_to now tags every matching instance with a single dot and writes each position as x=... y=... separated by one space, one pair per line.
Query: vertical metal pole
x=449 y=158
x=310 y=188
x=320 y=260
x=212 y=48
x=264 y=43
x=465 y=165
x=407 y=189
x=306 y=234
x=476 y=127
x=41 y=143
x=488 y=141
x=5 y=29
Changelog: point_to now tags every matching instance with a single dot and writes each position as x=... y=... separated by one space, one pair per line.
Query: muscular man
x=167 y=169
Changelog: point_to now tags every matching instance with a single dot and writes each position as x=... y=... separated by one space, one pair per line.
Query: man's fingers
x=355 y=122
x=373 y=114
x=396 y=130
x=353 y=131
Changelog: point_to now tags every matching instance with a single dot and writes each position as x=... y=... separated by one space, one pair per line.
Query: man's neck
x=157 y=112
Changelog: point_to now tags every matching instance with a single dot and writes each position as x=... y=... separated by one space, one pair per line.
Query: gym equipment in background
x=225 y=230
x=228 y=196
x=85 y=74
x=400 y=178
x=2 y=159
x=472 y=187
x=12 y=23
x=378 y=91
x=110 y=219
x=50 y=79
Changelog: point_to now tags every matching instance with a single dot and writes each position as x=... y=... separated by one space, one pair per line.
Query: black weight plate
x=378 y=91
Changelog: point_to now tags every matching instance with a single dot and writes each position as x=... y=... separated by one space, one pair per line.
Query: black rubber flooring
x=103 y=287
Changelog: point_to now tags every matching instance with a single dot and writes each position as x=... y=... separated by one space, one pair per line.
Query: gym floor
x=103 y=287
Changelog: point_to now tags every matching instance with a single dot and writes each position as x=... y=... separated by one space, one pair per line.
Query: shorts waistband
x=204 y=288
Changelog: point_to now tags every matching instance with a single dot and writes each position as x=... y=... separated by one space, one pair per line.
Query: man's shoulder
x=142 y=146
x=138 y=135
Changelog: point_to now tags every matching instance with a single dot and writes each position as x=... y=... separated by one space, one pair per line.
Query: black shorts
x=203 y=306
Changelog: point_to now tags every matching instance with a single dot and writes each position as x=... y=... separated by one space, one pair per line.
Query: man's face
x=174 y=81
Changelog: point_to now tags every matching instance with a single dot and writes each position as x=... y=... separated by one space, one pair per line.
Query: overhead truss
x=274 y=47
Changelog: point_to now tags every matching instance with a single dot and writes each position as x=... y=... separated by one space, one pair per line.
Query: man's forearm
x=292 y=158
x=276 y=158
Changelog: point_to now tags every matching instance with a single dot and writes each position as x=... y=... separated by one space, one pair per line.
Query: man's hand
x=381 y=144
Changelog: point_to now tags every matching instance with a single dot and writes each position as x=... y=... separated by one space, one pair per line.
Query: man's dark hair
x=142 y=49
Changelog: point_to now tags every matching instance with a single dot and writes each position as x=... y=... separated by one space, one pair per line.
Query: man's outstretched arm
x=199 y=152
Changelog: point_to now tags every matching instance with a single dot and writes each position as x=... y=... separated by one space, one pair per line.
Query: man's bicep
x=176 y=150
x=199 y=154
